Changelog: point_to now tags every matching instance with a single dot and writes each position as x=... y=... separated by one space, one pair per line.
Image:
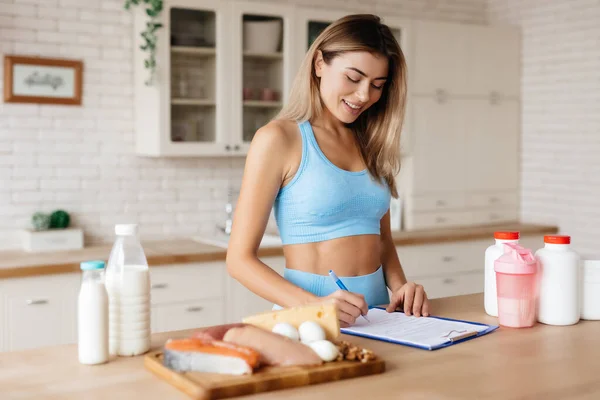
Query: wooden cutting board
x=207 y=386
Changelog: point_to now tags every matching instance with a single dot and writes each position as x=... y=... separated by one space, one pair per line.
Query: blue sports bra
x=323 y=201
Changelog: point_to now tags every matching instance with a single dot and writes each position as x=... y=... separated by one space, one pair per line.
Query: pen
x=342 y=286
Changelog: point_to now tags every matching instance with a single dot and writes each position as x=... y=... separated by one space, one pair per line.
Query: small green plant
x=153 y=10
x=40 y=221
x=59 y=219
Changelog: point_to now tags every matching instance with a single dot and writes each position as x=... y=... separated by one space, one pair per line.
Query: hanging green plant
x=153 y=10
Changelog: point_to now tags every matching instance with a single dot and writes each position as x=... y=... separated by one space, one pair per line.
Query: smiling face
x=351 y=82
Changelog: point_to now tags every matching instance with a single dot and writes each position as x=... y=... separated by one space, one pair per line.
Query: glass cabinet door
x=192 y=75
x=262 y=54
x=197 y=53
x=311 y=22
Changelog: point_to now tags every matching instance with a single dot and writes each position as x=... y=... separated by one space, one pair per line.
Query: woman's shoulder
x=278 y=135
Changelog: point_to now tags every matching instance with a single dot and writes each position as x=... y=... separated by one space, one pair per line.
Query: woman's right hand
x=350 y=306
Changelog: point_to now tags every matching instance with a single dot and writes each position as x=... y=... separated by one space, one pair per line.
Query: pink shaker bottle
x=516 y=286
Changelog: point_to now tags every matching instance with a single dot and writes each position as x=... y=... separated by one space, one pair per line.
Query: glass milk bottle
x=559 y=282
x=128 y=286
x=92 y=315
x=492 y=253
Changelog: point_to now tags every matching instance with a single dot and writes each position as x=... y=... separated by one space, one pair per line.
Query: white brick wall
x=81 y=158
x=561 y=123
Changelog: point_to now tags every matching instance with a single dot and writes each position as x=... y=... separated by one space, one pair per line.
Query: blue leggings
x=372 y=286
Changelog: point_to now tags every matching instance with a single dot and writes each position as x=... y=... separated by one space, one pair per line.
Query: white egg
x=326 y=350
x=285 y=329
x=311 y=331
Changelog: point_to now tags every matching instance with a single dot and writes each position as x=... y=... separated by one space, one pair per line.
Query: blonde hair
x=378 y=128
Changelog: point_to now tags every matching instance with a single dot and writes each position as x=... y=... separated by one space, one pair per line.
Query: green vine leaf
x=153 y=10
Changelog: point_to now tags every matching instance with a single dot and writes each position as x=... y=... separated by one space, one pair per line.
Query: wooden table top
x=543 y=362
x=15 y=264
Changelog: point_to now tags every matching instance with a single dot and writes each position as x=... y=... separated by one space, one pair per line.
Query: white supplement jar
x=492 y=253
x=559 y=297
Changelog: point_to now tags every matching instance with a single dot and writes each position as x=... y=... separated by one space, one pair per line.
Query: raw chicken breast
x=274 y=349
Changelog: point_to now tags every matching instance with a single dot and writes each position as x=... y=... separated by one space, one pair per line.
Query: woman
x=327 y=164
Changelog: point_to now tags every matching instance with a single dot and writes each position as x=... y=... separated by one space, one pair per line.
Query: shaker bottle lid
x=90 y=265
x=516 y=260
x=557 y=239
x=506 y=235
x=126 y=229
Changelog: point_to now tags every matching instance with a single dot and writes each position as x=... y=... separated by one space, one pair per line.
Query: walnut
x=352 y=352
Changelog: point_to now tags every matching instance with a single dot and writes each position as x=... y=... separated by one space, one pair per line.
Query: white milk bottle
x=559 y=299
x=492 y=253
x=92 y=315
x=128 y=286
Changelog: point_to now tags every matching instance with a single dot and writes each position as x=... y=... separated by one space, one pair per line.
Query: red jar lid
x=557 y=239
x=506 y=235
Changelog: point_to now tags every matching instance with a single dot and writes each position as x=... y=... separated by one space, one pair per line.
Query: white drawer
x=452 y=285
x=441 y=201
x=494 y=199
x=442 y=259
x=495 y=215
x=438 y=220
x=188 y=315
x=183 y=282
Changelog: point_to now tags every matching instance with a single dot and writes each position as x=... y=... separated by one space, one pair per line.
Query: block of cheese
x=325 y=315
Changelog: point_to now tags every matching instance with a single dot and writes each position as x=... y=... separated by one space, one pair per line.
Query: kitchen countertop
x=548 y=362
x=14 y=264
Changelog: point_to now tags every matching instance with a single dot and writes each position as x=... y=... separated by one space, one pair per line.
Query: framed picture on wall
x=42 y=80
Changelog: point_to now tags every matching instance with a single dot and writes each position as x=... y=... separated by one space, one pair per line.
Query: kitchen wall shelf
x=200 y=51
x=193 y=102
x=268 y=56
x=262 y=104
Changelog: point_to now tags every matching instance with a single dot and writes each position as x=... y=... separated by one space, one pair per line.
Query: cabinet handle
x=440 y=203
x=447 y=258
x=448 y=281
x=194 y=309
x=227 y=147
x=159 y=286
x=36 y=302
x=236 y=147
x=440 y=96
x=494 y=216
x=440 y=220
x=494 y=200
x=494 y=97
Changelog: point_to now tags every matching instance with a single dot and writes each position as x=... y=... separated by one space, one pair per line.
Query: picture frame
x=42 y=80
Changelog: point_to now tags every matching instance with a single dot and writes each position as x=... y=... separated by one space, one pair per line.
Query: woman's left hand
x=412 y=298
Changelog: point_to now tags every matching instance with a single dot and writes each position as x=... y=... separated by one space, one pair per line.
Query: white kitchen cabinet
x=452 y=284
x=492 y=145
x=440 y=58
x=185 y=111
x=188 y=315
x=186 y=296
x=466 y=60
x=185 y=282
x=39 y=311
x=260 y=78
x=211 y=94
x=492 y=65
x=439 y=157
x=464 y=167
x=242 y=302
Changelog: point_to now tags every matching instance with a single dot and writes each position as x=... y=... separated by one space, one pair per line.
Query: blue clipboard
x=450 y=342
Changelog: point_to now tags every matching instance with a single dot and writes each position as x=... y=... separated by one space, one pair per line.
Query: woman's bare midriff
x=347 y=256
